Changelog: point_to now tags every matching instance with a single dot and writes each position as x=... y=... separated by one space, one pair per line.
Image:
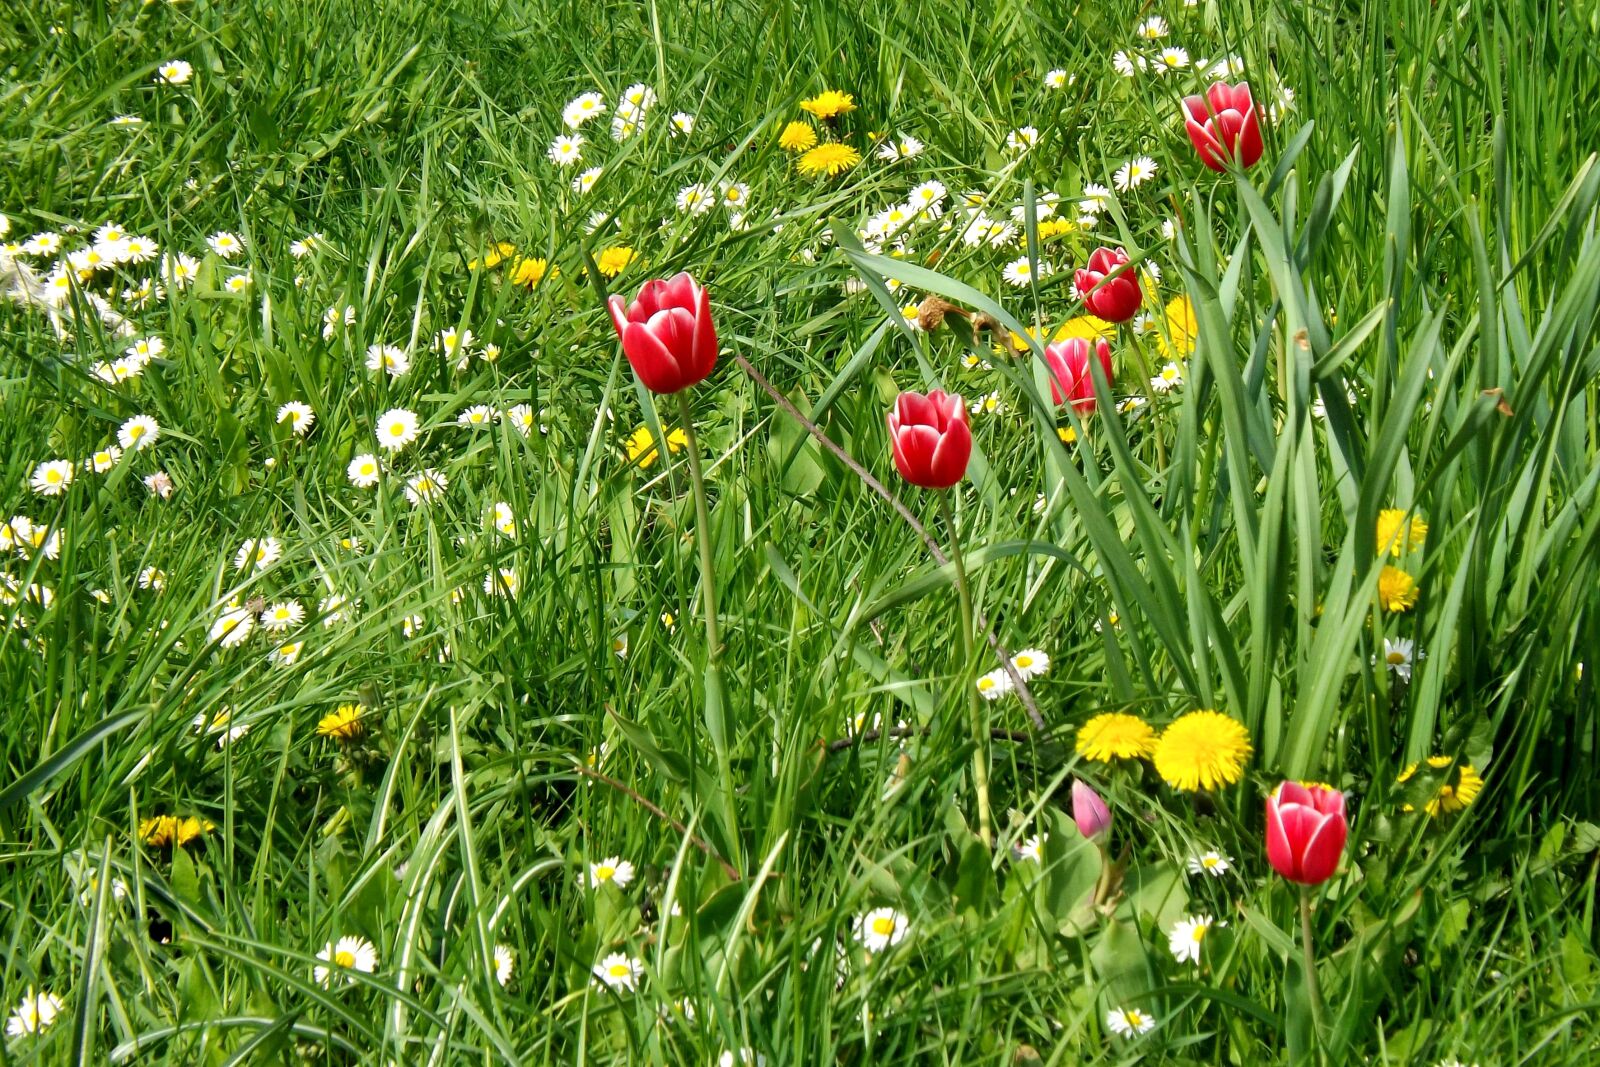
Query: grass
x=1396 y=308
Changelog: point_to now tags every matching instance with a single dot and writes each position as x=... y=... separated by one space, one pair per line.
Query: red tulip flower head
x=1113 y=299
x=1224 y=124
x=1306 y=832
x=931 y=439
x=667 y=333
x=1070 y=376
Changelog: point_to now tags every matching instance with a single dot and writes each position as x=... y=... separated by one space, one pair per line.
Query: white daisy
x=618 y=971
x=1171 y=59
x=232 y=627
x=426 y=488
x=282 y=615
x=391 y=359
x=225 y=244
x=566 y=150
x=615 y=870
x=994 y=685
x=1186 y=936
x=174 y=72
x=298 y=415
x=682 y=123
x=1022 y=139
x=258 y=554
x=364 y=471
x=53 y=477
x=583 y=108
x=585 y=181
x=1135 y=172
x=505 y=961
x=1056 y=79
x=880 y=928
x=33 y=1014
x=1399 y=654
x=1020 y=272
x=1171 y=377
x=1129 y=1022
x=397 y=428
x=476 y=416
x=1031 y=663
x=138 y=432
x=344 y=956
x=1212 y=862
x=696 y=199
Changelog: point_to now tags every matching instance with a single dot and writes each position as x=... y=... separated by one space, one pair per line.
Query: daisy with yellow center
x=1115 y=735
x=1397 y=590
x=1398 y=536
x=344 y=956
x=829 y=104
x=797 y=137
x=1452 y=796
x=831 y=159
x=1203 y=750
x=343 y=724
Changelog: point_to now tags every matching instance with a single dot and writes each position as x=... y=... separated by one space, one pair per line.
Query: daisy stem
x=980 y=729
x=1308 y=960
x=702 y=519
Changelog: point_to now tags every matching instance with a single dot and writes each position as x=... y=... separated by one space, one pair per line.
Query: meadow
x=707 y=531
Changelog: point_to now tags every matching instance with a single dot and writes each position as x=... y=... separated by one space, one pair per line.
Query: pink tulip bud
x=1070 y=375
x=1089 y=811
x=931 y=439
x=1113 y=299
x=667 y=333
x=1306 y=832
x=1224 y=125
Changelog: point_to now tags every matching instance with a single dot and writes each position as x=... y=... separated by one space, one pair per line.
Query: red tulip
x=667 y=333
x=1224 y=124
x=931 y=439
x=1070 y=376
x=1089 y=811
x=1306 y=832
x=1114 y=299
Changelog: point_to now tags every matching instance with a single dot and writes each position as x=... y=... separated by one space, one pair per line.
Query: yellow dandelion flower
x=831 y=159
x=1452 y=796
x=1182 y=328
x=797 y=137
x=642 y=446
x=1395 y=536
x=829 y=104
x=529 y=271
x=1397 y=590
x=1115 y=735
x=494 y=257
x=1054 y=227
x=1067 y=434
x=1203 y=750
x=613 y=261
x=1087 y=327
x=343 y=724
x=163 y=830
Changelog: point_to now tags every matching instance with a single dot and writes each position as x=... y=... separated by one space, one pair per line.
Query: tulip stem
x=1308 y=960
x=702 y=519
x=980 y=728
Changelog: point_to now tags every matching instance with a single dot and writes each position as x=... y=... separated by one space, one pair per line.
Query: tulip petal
x=619 y=314
x=1279 y=854
x=704 y=350
x=951 y=456
x=1319 y=857
x=651 y=360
